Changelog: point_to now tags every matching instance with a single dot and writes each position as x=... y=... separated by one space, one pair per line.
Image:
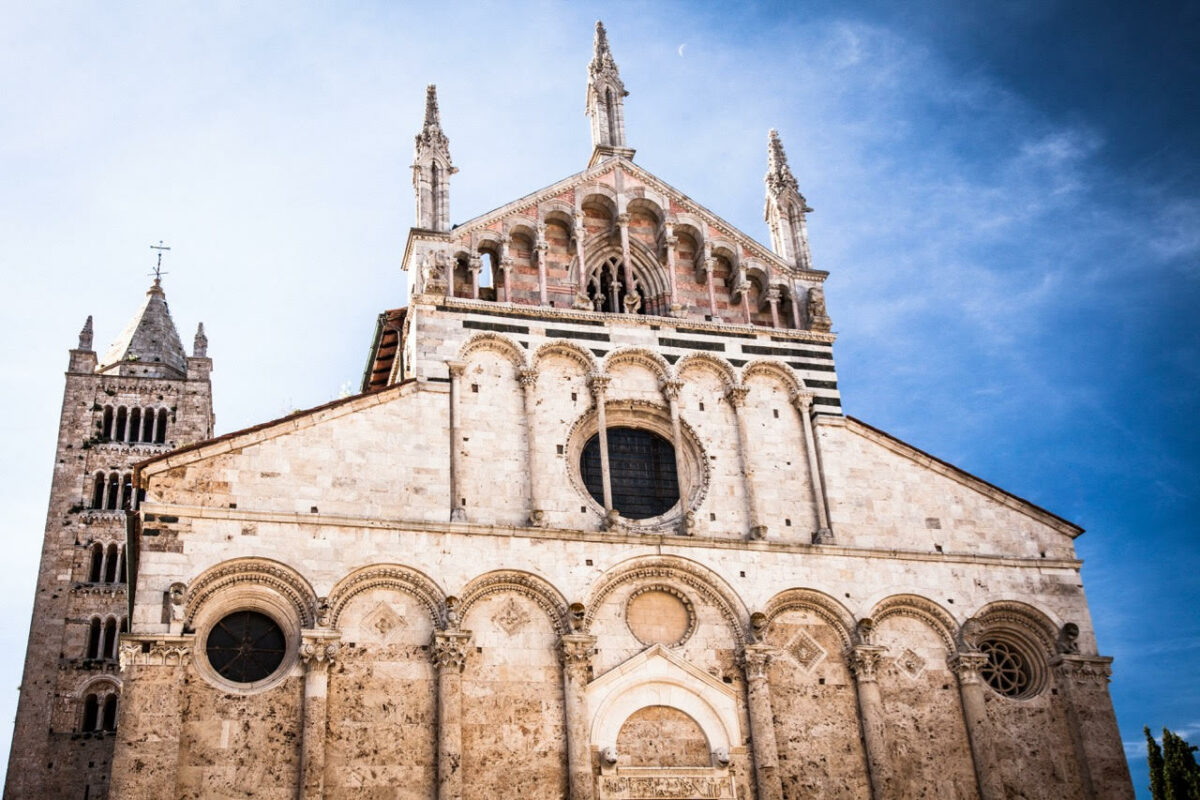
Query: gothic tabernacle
x=596 y=527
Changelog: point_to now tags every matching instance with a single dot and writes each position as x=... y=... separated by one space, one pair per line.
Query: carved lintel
x=449 y=650
x=864 y=659
x=155 y=651
x=319 y=648
x=1095 y=670
x=755 y=659
x=968 y=666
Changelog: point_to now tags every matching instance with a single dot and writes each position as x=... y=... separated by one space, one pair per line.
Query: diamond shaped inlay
x=511 y=616
x=805 y=650
x=910 y=663
x=383 y=624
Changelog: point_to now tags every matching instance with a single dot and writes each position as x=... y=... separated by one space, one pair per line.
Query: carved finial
x=432 y=168
x=200 y=343
x=600 y=51
x=85 y=335
x=432 y=118
x=779 y=174
x=605 y=95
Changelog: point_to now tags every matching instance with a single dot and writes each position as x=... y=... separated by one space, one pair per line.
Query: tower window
x=641 y=472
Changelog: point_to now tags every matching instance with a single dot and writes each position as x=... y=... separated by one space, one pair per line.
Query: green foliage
x=1174 y=773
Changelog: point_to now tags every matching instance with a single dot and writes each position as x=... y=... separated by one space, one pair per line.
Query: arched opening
x=97 y=565
x=93 y=643
x=662 y=736
x=121 y=566
x=119 y=427
x=114 y=492
x=135 y=424
x=127 y=491
x=107 y=430
x=160 y=434
x=91 y=713
x=110 y=565
x=148 y=426
x=109 y=721
x=98 y=491
x=490 y=278
x=607 y=290
x=110 y=639
x=610 y=114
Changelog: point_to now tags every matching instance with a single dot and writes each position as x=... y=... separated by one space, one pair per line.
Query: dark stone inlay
x=761 y=350
x=556 y=333
x=475 y=324
x=690 y=344
x=812 y=367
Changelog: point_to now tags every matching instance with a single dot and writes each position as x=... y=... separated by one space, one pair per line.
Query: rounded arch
x=257 y=572
x=600 y=195
x=571 y=350
x=649 y=203
x=493 y=341
x=708 y=361
x=389 y=576
x=486 y=236
x=720 y=730
x=775 y=369
x=638 y=355
x=759 y=271
x=691 y=226
x=538 y=589
x=95 y=684
x=723 y=248
x=695 y=575
x=910 y=605
x=823 y=605
x=523 y=227
x=1022 y=617
x=557 y=211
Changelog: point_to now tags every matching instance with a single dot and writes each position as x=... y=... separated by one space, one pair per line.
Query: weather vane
x=158 y=273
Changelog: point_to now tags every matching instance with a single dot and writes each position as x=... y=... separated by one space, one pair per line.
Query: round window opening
x=245 y=647
x=1007 y=669
x=641 y=467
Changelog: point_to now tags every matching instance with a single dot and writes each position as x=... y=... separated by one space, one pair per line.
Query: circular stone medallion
x=658 y=615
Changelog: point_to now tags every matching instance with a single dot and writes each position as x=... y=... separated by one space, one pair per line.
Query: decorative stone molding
x=449 y=650
x=544 y=595
x=755 y=659
x=160 y=651
x=824 y=606
x=1083 y=670
x=725 y=370
x=495 y=342
x=580 y=355
x=257 y=573
x=682 y=597
x=927 y=611
x=576 y=650
x=638 y=355
x=388 y=576
x=968 y=666
x=511 y=617
x=319 y=648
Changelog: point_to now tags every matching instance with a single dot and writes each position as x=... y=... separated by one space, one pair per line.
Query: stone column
x=318 y=648
x=506 y=264
x=710 y=264
x=576 y=651
x=773 y=301
x=599 y=386
x=474 y=265
x=528 y=379
x=755 y=658
x=449 y=653
x=457 y=512
x=1083 y=685
x=581 y=295
x=864 y=663
x=543 y=247
x=795 y=309
x=150 y=716
x=671 y=240
x=737 y=399
x=670 y=390
x=631 y=298
x=966 y=665
x=823 y=534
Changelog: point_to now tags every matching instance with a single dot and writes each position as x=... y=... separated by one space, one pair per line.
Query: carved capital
x=670 y=389
x=737 y=395
x=1076 y=669
x=773 y=295
x=319 y=648
x=474 y=263
x=623 y=219
x=599 y=383
x=755 y=659
x=449 y=650
x=155 y=651
x=968 y=665
x=863 y=660
x=802 y=400
x=527 y=376
x=456 y=368
x=575 y=650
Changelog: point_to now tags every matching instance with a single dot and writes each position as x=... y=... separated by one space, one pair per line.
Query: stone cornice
x=619 y=537
x=963 y=477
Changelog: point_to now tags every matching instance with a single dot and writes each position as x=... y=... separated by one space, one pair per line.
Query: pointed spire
x=200 y=343
x=149 y=346
x=779 y=175
x=605 y=98
x=432 y=168
x=786 y=207
x=85 y=335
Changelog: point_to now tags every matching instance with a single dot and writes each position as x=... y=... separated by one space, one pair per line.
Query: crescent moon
x=681 y=48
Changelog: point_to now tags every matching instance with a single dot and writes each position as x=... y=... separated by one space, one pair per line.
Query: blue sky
x=1006 y=198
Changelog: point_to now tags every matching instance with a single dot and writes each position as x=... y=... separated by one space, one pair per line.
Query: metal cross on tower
x=158 y=273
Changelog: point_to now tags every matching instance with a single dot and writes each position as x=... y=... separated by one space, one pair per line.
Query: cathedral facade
x=595 y=528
